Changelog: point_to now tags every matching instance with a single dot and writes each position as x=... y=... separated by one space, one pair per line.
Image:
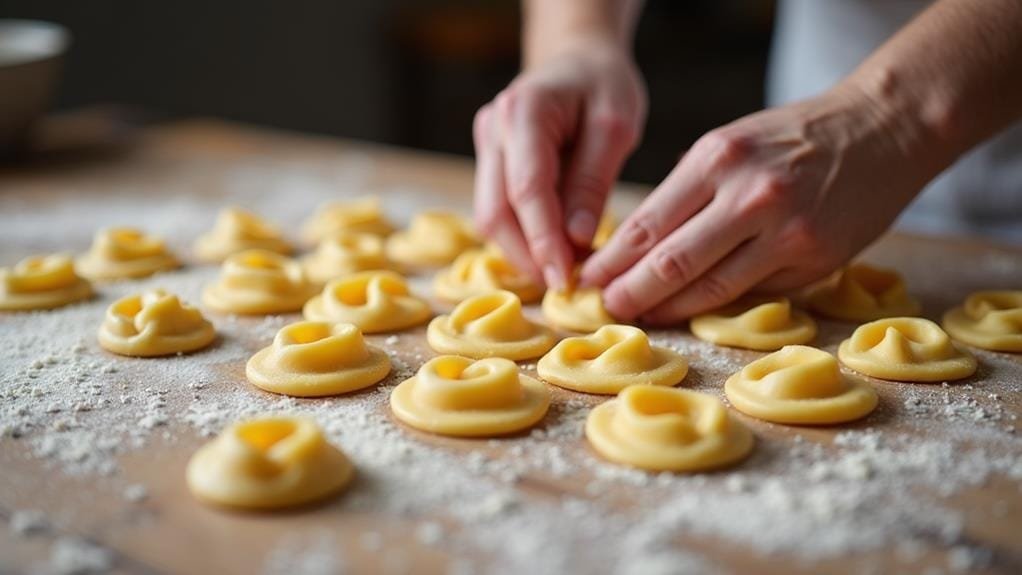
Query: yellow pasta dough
x=764 y=324
x=237 y=230
x=42 y=282
x=604 y=229
x=579 y=310
x=376 y=302
x=345 y=253
x=120 y=253
x=905 y=349
x=481 y=271
x=799 y=385
x=489 y=325
x=258 y=282
x=313 y=359
x=433 y=239
x=864 y=293
x=667 y=429
x=989 y=320
x=359 y=215
x=610 y=360
x=453 y=395
x=268 y=463
x=154 y=323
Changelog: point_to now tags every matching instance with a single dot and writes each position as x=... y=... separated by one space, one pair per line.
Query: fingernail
x=554 y=280
x=582 y=226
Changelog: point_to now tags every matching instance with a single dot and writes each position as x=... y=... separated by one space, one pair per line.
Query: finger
x=738 y=273
x=678 y=260
x=792 y=278
x=531 y=164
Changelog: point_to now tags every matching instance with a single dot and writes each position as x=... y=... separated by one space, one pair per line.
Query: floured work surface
x=93 y=446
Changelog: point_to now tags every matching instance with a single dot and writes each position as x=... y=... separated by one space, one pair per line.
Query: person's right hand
x=548 y=149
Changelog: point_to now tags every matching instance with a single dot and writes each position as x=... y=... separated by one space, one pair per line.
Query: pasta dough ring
x=42 y=282
x=490 y=325
x=905 y=349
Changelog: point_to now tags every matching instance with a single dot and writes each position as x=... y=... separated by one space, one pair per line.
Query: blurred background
x=404 y=72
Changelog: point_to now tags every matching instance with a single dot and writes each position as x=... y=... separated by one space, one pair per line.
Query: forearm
x=550 y=25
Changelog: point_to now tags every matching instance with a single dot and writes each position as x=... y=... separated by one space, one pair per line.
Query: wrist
x=552 y=28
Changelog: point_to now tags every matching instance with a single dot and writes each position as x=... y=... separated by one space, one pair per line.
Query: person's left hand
x=775 y=200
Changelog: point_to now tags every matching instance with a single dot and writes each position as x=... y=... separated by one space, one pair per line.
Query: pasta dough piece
x=581 y=310
x=800 y=385
x=481 y=271
x=121 y=253
x=237 y=230
x=359 y=215
x=433 y=239
x=667 y=429
x=989 y=320
x=345 y=253
x=42 y=282
x=258 y=282
x=490 y=325
x=905 y=349
x=313 y=359
x=268 y=463
x=610 y=360
x=452 y=395
x=604 y=229
x=864 y=293
x=374 y=301
x=154 y=323
x=764 y=324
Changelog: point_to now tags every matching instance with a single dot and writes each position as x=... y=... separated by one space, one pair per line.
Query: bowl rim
x=60 y=39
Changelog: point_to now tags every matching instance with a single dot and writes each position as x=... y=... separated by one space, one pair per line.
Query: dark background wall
x=405 y=72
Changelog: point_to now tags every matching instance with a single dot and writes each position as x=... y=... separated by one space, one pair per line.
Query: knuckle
x=490 y=217
x=768 y=194
x=526 y=188
x=615 y=126
x=803 y=235
x=714 y=290
x=672 y=266
x=723 y=148
x=587 y=187
x=640 y=232
x=482 y=121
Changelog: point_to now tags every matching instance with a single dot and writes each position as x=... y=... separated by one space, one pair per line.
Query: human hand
x=548 y=149
x=773 y=201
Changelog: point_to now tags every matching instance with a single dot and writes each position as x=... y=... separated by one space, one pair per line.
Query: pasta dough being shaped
x=667 y=429
x=270 y=462
x=314 y=359
x=121 y=253
x=580 y=310
x=482 y=271
x=432 y=239
x=604 y=229
x=799 y=385
x=489 y=325
x=237 y=230
x=864 y=293
x=610 y=360
x=764 y=324
x=989 y=320
x=905 y=349
x=154 y=323
x=42 y=282
x=258 y=282
x=453 y=395
x=345 y=253
x=359 y=215
x=374 y=301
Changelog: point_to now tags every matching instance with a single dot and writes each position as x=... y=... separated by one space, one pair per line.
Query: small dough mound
x=154 y=323
x=905 y=349
x=667 y=429
x=237 y=230
x=799 y=385
x=433 y=239
x=360 y=215
x=374 y=301
x=580 y=310
x=345 y=253
x=42 y=282
x=452 y=395
x=610 y=360
x=604 y=229
x=989 y=320
x=268 y=463
x=490 y=325
x=258 y=282
x=482 y=271
x=314 y=359
x=122 y=253
x=764 y=324
x=864 y=293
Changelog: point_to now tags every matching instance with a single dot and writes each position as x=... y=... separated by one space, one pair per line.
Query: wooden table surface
x=171 y=533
